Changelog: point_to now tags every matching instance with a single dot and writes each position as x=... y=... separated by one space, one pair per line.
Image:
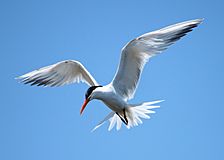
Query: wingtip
x=19 y=77
x=194 y=21
x=200 y=20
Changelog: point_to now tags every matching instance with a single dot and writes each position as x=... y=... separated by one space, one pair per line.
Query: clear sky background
x=44 y=123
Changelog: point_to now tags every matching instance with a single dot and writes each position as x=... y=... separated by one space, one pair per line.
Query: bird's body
x=116 y=94
x=109 y=97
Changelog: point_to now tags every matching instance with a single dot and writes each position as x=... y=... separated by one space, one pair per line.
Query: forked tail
x=133 y=114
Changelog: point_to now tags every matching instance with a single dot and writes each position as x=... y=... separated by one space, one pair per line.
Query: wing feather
x=59 y=74
x=138 y=51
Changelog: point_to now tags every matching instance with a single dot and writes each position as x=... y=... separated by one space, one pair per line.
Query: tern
x=116 y=94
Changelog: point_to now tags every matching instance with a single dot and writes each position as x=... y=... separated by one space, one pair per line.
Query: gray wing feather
x=59 y=74
x=138 y=51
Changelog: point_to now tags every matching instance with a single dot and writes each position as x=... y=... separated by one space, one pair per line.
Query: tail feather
x=113 y=121
x=110 y=115
x=134 y=114
x=119 y=123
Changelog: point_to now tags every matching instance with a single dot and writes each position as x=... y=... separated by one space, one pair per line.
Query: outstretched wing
x=61 y=73
x=138 y=51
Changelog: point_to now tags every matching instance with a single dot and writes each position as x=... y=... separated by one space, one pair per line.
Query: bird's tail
x=133 y=115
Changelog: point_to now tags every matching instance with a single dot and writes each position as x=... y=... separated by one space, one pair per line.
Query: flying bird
x=116 y=94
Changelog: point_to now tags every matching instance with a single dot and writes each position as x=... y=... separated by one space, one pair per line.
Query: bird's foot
x=124 y=120
x=125 y=117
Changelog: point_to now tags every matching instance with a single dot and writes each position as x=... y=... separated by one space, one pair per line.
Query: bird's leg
x=125 y=117
x=122 y=119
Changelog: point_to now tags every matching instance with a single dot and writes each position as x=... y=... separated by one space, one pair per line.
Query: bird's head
x=88 y=96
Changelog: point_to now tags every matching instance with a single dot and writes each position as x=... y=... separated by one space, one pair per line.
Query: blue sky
x=44 y=123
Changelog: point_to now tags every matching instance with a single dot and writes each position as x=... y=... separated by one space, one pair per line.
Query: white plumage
x=61 y=73
x=138 y=51
x=115 y=95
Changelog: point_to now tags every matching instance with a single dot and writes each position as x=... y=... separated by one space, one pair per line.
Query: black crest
x=90 y=90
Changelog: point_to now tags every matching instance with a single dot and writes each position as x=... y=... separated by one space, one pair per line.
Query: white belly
x=111 y=99
x=114 y=103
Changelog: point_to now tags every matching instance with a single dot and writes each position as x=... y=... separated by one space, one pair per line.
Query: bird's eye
x=90 y=90
x=86 y=95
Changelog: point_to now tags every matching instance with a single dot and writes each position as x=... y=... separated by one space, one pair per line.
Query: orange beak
x=84 y=106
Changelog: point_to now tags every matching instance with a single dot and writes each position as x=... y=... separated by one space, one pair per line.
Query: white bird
x=116 y=94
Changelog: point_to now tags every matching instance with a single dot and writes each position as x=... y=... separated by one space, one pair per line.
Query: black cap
x=90 y=90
